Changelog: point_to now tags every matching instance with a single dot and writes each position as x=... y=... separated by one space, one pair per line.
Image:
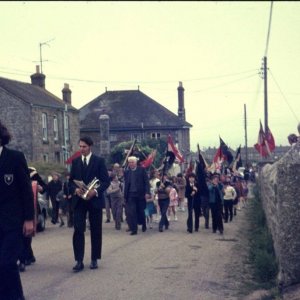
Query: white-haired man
x=136 y=190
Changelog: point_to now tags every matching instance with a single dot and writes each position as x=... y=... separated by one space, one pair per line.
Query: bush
x=261 y=250
x=45 y=169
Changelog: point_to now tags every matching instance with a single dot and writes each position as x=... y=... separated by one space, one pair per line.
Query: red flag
x=174 y=149
x=262 y=146
x=218 y=156
x=71 y=158
x=149 y=160
x=270 y=139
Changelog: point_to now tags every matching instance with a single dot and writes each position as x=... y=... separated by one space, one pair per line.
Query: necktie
x=84 y=163
x=84 y=169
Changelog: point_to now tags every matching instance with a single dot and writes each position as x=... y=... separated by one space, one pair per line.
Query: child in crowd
x=150 y=209
x=173 y=202
x=63 y=206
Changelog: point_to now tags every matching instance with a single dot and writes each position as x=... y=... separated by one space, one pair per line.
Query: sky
x=215 y=48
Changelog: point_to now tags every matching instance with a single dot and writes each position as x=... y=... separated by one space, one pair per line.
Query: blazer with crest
x=16 y=196
x=96 y=168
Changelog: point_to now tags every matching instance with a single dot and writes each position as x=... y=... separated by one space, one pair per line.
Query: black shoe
x=189 y=230
x=160 y=230
x=221 y=231
x=93 y=265
x=144 y=228
x=53 y=222
x=226 y=221
x=107 y=221
x=22 y=267
x=78 y=267
x=133 y=233
x=196 y=229
x=27 y=262
x=62 y=224
x=214 y=231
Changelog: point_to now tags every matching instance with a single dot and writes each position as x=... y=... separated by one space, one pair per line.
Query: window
x=44 y=127
x=67 y=128
x=155 y=135
x=113 y=137
x=55 y=128
x=57 y=157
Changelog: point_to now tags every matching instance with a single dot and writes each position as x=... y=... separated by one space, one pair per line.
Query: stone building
x=133 y=115
x=43 y=126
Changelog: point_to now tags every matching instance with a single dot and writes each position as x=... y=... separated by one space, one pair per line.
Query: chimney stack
x=66 y=94
x=38 y=78
x=181 y=109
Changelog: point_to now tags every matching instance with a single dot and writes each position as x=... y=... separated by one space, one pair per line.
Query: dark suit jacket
x=142 y=183
x=16 y=196
x=96 y=168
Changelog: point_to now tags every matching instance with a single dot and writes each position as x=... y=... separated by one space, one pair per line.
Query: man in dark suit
x=85 y=168
x=136 y=190
x=16 y=215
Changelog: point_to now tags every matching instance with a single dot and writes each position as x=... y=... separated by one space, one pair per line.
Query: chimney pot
x=66 y=94
x=38 y=78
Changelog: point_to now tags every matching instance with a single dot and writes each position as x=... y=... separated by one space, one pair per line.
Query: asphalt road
x=171 y=265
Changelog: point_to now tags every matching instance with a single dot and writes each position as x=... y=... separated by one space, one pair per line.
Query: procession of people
x=136 y=197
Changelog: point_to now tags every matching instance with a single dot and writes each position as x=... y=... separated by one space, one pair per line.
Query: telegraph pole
x=246 y=139
x=266 y=92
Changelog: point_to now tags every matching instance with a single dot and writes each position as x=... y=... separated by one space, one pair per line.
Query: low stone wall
x=280 y=193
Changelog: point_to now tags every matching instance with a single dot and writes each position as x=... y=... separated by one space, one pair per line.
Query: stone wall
x=16 y=116
x=280 y=193
x=53 y=148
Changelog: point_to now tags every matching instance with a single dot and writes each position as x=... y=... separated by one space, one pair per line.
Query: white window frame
x=44 y=127
x=55 y=128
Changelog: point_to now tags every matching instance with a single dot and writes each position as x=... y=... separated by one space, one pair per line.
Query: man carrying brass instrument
x=86 y=168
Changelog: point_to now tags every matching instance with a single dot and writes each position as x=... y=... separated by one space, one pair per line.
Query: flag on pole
x=71 y=158
x=149 y=160
x=225 y=152
x=270 y=139
x=238 y=160
x=174 y=149
x=262 y=146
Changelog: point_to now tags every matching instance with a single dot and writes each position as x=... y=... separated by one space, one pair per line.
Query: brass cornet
x=94 y=184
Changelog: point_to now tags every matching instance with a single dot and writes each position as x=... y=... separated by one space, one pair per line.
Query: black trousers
x=135 y=212
x=10 y=282
x=216 y=214
x=193 y=206
x=26 y=253
x=55 y=208
x=163 y=206
x=205 y=211
x=95 y=218
x=228 y=208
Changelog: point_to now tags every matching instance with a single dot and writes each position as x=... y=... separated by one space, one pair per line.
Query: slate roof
x=128 y=109
x=32 y=94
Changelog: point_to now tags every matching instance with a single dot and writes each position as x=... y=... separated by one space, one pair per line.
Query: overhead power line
x=283 y=96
